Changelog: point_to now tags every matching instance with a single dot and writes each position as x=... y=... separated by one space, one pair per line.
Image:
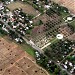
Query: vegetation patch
x=28 y=49
x=59 y=50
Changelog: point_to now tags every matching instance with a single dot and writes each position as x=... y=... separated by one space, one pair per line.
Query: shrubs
x=59 y=50
x=48 y=64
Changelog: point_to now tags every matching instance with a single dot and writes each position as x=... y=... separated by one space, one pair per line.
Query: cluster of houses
x=47 y=3
x=8 y=1
x=23 y=22
x=37 y=55
x=3 y=16
x=16 y=21
x=69 y=64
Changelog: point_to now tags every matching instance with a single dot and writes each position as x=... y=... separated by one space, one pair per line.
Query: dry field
x=26 y=8
x=14 y=61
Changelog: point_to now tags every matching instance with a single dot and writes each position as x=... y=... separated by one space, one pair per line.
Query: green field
x=64 y=14
x=73 y=24
x=54 y=40
x=28 y=49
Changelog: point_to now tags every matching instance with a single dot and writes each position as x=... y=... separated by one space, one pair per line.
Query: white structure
x=31 y=42
x=69 y=18
x=31 y=22
x=47 y=6
x=59 y=36
x=12 y=0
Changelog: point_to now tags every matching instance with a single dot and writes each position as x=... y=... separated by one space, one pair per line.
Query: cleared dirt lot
x=26 y=8
x=14 y=61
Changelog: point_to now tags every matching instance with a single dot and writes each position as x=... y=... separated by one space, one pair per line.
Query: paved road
x=28 y=42
x=63 y=68
x=34 y=46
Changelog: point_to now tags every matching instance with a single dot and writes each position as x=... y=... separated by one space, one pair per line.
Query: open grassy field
x=73 y=24
x=26 y=7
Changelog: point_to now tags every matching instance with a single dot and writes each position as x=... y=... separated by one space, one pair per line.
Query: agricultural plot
x=25 y=7
x=41 y=35
x=65 y=30
x=72 y=37
x=14 y=61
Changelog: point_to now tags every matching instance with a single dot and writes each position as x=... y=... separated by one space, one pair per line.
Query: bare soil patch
x=26 y=8
x=14 y=61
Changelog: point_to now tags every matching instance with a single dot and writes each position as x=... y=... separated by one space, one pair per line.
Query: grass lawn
x=64 y=14
x=73 y=24
x=54 y=40
x=28 y=49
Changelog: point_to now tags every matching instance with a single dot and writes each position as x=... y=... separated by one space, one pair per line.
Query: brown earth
x=26 y=8
x=15 y=61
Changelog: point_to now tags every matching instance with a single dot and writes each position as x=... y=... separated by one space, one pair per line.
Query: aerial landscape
x=37 y=37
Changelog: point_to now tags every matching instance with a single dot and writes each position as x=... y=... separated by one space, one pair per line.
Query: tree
x=63 y=72
x=57 y=71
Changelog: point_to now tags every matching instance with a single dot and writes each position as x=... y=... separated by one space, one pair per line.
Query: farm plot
x=41 y=35
x=26 y=8
x=14 y=61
